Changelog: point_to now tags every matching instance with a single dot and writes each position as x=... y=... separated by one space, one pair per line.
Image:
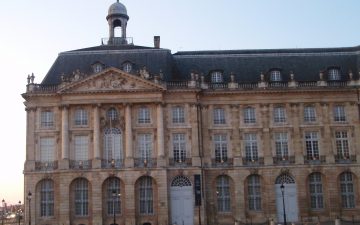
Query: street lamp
x=282 y=187
x=3 y=212
x=19 y=212
x=29 y=199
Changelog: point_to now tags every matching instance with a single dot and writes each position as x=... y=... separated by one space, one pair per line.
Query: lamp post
x=19 y=212
x=29 y=199
x=3 y=212
x=282 y=187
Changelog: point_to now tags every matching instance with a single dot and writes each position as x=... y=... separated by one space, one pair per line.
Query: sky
x=34 y=32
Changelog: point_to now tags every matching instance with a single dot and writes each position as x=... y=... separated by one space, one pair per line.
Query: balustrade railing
x=254 y=161
x=112 y=163
x=225 y=162
x=345 y=159
x=145 y=163
x=44 y=166
x=309 y=159
x=282 y=160
x=180 y=162
x=80 y=164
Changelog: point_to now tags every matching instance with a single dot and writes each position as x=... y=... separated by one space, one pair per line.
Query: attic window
x=275 y=75
x=334 y=74
x=98 y=67
x=217 y=77
x=127 y=67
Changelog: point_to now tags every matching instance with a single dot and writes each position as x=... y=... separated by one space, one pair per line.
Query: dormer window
x=334 y=74
x=275 y=76
x=98 y=67
x=217 y=77
x=127 y=67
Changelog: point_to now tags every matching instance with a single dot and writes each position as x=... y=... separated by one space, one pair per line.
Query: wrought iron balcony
x=180 y=162
x=80 y=164
x=309 y=159
x=253 y=161
x=44 y=166
x=224 y=162
x=283 y=160
x=345 y=159
x=112 y=163
x=145 y=163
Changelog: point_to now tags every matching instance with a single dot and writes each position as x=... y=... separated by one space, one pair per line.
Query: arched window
x=347 y=190
x=275 y=76
x=217 y=77
x=180 y=181
x=146 y=196
x=334 y=74
x=81 y=117
x=254 y=192
x=112 y=114
x=316 y=191
x=285 y=179
x=81 y=193
x=113 y=145
x=127 y=67
x=47 y=198
x=223 y=193
x=113 y=196
x=97 y=67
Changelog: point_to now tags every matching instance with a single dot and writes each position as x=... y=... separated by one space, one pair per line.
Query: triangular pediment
x=111 y=79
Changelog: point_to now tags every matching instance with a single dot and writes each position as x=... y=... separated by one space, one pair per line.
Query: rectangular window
x=312 y=145
x=281 y=145
x=347 y=190
x=219 y=116
x=251 y=148
x=249 y=115
x=81 y=117
x=279 y=114
x=47 y=119
x=342 y=144
x=178 y=114
x=339 y=113
x=179 y=147
x=220 y=144
x=144 y=115
x=145 y=146
x=309 y=114
x=47 y=149
x=81 y=148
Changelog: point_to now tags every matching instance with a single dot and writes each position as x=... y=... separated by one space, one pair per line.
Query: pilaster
x=129 y=161
x=160 y=135
x=96 y=141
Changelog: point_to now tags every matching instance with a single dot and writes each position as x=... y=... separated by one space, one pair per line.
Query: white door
x=290 y=200
x=182 y=202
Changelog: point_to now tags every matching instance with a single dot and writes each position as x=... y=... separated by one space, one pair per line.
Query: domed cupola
x=117 y=17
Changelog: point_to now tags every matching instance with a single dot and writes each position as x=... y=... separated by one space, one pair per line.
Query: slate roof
x=247 y=65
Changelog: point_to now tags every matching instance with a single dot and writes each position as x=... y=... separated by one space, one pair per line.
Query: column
x=128 y=138
x=236 y=145
x=193 y=118
x=96 y=138
x=266 y=139
x=65 y=133
x=160 y=134
x=297 y=135
x=30 y=139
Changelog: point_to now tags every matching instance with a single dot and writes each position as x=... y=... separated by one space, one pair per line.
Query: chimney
x=156 y=41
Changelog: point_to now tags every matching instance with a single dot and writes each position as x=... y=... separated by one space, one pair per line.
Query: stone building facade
x=140 y=135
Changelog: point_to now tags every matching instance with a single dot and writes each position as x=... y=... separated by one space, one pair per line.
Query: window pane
x=47 y=149
x=47 y=119
x=47 y=198
x=81 y=148
x=146 y=196
x=81 y=117
x=179 y=147
x=220 y=144
x=144 y=115
x=219 y=116
x=178 y=115
x=249 y=115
